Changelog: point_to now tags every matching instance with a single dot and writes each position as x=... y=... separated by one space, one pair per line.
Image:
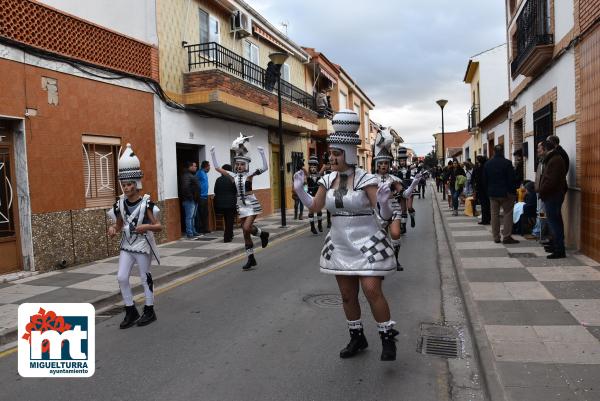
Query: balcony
x=535 y=43
x=222 y=81
x=473 y=119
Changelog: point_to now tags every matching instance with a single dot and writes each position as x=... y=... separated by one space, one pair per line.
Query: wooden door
x=10 y=256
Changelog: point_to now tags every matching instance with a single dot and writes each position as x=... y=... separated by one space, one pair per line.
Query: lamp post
x=442 y=103
x=278 y=58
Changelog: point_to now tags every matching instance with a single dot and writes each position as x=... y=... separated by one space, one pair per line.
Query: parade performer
x=137 y=217
x=357 y=249
x=405 y=175
x=248 y=206
x=312 y=182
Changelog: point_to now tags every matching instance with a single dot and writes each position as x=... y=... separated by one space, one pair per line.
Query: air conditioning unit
x=240 y=24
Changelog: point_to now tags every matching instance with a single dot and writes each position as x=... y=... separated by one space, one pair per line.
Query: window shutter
x=99 y=165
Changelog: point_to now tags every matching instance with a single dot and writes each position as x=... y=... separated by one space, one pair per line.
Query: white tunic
x=247 y=204
x=356 y=244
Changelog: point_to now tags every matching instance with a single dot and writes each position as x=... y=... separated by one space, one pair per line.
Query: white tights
x=126 y=262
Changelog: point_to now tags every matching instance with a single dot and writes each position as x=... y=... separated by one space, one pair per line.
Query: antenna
x=284 y=25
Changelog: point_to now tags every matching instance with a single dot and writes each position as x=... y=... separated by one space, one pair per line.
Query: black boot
x=312 y=228
x=264 y=239
x=148 y=316
x=131 y=316
x=412 y=218
x=320 y=225
x=402 y=228
x=250 y=263
x=388 y=343
x=358 y=342
x=396 y=253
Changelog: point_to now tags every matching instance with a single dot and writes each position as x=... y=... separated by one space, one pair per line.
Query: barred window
x=100 y=157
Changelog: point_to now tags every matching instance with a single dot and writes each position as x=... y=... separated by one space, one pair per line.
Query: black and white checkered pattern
x=378 y=247
x=327 y=248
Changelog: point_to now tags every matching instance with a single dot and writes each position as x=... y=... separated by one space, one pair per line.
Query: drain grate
x=439 y=340
x=324 y=300
x=522 y=255
x=206 y=239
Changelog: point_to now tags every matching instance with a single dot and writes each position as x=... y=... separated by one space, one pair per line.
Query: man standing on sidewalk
x=552 y=190
x=225 y=202
x=499 y=178
x=202 y=214
x=480 y=190
x=189 y=196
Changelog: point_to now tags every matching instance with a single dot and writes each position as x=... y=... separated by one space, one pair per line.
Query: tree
x=430 y=160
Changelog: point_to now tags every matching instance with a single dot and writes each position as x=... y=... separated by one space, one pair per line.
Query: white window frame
x=214 y=29
x=206 y=24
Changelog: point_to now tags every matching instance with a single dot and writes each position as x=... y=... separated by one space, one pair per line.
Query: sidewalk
x=96 y=282
x=536 y=321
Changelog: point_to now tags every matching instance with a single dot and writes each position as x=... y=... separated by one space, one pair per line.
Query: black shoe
x=509 y=240
x=313 y=229
x=388 y=343
x=357 y=343
x=497 y=241
x=546 y=243
x=264 y=239
x=412 y=220
x=320 y=226
x=131 y=316
x=557 y=255
x=250 y=263
x=402 y=228
x=549 y=249
x=148 y=316
x=481 y=223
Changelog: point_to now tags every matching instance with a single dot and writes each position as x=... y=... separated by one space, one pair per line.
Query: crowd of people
x=529 y=208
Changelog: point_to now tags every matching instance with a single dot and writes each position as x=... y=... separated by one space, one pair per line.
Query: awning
x=260 y=32
x=327 y=75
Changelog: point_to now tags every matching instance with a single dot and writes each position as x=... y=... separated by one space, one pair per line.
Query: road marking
x=191 y=277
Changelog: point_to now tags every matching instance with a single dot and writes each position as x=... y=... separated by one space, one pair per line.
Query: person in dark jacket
x=454 y=172
x=225 y=202
x=499 y=178
x=480 y=190
x=556 y=142
x=519 y=171
x=189 y=192
x=552 y=189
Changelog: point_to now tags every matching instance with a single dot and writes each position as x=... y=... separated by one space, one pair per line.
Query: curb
x=484 y=353
x=108 y=300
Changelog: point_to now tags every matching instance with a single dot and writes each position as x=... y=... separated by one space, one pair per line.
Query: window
x=100 y=155
x=285 y=72
x=343 y=101
x=366 y=127
x=214 y=30
x=252 y=72
x=542 y=128
x=203 y=25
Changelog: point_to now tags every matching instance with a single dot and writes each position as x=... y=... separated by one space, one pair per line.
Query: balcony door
x=252 y=72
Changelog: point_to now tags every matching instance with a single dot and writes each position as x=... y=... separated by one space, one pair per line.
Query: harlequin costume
x=136 y=249
x=247 y=204
x=405 y=173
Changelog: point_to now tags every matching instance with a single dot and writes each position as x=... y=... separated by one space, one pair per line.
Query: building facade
x=73 y=94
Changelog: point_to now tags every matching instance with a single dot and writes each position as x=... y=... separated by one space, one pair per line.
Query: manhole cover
x=439 y=340
x=522 y=255
x=206 y=239
x=324 y=300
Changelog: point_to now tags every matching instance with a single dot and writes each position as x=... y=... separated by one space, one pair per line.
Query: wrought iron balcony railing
x=533 y=29
x=212 y=54
x=473 y=117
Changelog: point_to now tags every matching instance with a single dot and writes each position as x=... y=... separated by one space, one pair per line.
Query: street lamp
x=442 y=103
x=278 y=58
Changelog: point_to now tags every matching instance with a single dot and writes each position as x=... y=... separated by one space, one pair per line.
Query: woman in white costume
x=137 y=218
x=248 y=206
x=357 y=249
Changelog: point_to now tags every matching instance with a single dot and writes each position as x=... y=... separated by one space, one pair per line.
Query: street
x=273 y=333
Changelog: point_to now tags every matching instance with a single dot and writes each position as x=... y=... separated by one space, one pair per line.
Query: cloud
x=403 y=54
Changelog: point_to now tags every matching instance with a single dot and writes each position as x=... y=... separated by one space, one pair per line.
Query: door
x=275 y=190
x=251 y=71
x=10 y=259
x=185 y=153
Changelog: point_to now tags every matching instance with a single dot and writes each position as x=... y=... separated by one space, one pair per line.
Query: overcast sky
x=404 y=54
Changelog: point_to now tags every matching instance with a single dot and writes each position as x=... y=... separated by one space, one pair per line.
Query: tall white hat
x=240 y=149
x=345 y=124
x=129 y=167
x=383 y=145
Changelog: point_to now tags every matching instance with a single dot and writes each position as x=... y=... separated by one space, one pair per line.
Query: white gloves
x=383 y=196
x=261 y=150
x=409 y=191
x=214 y=157
x=304 y=197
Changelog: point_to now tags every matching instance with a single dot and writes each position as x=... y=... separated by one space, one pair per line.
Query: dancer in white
x=357 y=249
x=405 y=174
x=382 y=159
x=248 y=206
x=137 y=217
x=312 y=183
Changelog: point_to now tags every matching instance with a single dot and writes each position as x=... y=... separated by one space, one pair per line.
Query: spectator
x=499 y=177
x=202 y=213
x=526 y=218
x=225 y=202
x=519 y=173
x=190 y=192
x=480 y=190
x=539 y=229
x=469 y=174
x=445 y=177
x=552 y=190
x=556 y=141
x=456 y=183
x=323 y=108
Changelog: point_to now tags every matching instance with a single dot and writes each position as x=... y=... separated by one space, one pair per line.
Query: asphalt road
x=259 y=335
